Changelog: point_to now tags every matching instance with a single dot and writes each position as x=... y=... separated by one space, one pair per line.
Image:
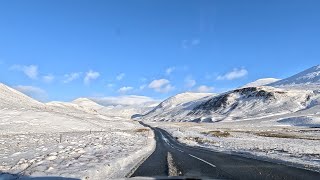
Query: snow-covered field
x=78 y=149
x=66 y=140
x=267 y=138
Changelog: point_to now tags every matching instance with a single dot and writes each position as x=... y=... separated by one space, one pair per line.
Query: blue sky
x=61 y=50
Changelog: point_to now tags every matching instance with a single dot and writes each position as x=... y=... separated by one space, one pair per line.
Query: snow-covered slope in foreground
x=307 y=79
x=176 y=107
x=11 y=98
x=66 y=140
x=261 y=82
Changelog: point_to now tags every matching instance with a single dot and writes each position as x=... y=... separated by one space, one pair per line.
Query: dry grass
x=284 y=135
x=142 y=130
x=218 y=133
x=275 y=134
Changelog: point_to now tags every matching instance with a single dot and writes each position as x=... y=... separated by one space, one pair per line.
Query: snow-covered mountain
x=261 y=82
x=257 y=99
x=250 y=102
x=11 y=98
x=309 y=78
x=177 y=106
x=255 y=102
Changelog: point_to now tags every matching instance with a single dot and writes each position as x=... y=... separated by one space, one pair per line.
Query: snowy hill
x=176 y=106
x=11 y=98
x=255 y=102
x=113 y=110
x=243 y=103
x=87 y=103
x=308 y=78
x=261 y=82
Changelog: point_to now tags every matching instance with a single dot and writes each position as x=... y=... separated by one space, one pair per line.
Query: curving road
x=172 y=158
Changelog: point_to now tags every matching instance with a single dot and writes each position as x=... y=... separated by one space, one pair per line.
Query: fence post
x=60 y=140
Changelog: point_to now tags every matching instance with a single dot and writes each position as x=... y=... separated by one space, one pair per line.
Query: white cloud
x=169 y=70
x=155 y=84
x=190 y=82
x=125 y=89
x=161 y=85
x=120 y=76
x=34 y=92
x=31 y=71
x=71 y=77
x=234 y=74
x=48 y=78
x=204 y=89
x=124 y=100
x=90 y=75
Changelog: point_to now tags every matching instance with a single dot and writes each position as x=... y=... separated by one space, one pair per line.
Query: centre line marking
x=202 y=160
x=180 y=150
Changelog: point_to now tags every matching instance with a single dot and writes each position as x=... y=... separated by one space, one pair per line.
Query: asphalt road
x=172 y=158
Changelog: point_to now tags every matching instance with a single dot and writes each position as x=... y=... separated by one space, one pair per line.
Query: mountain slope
x=261 y=82
x=255 y=102
x=309 y=77
x=11 y=98
x=176 y=106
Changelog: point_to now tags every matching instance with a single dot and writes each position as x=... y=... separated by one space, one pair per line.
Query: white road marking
x=180 y=150
x=202 y=160
x=167 y=141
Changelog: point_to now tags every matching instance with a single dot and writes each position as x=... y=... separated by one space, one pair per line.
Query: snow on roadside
x=73 y=144
x=297 y=146
x=301 y=121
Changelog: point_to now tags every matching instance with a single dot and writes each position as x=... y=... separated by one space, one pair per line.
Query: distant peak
x=309 y=77
x=261 y=82
x=81 y=99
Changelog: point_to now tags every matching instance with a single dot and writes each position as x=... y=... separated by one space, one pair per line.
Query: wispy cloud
x=143 y=86
x=161 y=85
x=32 y=91
x=143 y=79
x=110 y=85
x=204 y=89
x=189 y=82
x=234 y=74
x=125 y=89
x=120 y=76
x=190 y=43
x=71 y=77
x=90 y=75
x=30 y=70
x=48 y=78
x=169 y=70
